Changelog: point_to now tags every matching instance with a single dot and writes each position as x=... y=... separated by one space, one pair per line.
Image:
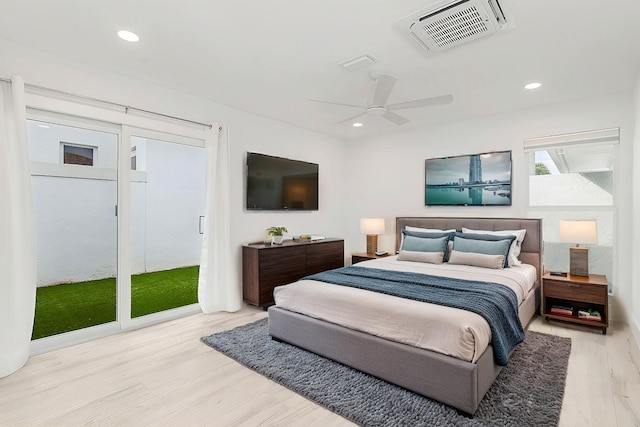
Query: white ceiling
x=269 y=56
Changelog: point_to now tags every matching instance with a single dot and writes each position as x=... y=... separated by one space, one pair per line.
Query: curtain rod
x=114 y=104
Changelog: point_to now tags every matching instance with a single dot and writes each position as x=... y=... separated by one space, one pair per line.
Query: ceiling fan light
x=377 y=110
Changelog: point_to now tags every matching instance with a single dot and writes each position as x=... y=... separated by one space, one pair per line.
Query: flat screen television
x=276 y=183
x=471 y=180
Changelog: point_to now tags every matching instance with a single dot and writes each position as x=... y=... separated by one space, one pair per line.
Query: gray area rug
x=528 y=391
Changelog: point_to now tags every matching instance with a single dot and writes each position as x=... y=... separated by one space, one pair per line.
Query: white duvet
x=451 y=331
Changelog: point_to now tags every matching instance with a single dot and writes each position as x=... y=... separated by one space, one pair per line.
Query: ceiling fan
x=379 y=106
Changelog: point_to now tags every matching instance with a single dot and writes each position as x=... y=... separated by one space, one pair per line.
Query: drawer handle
x=573 y=285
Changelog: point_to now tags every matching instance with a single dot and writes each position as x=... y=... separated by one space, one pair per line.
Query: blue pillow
x=487 y=244
x=429 y=235
x=425 y=244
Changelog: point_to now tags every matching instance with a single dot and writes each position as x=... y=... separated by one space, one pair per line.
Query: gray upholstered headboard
x=531 y=252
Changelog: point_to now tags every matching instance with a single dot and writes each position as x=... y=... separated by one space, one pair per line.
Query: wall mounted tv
x=470 y=180
x=276 y=183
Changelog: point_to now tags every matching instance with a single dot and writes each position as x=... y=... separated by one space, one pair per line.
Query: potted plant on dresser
x=277 y=233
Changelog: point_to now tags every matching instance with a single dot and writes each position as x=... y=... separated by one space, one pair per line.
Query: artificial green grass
x=72 y=306
x=163 y=290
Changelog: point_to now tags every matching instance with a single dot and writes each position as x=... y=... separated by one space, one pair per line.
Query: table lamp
x=372 y=227
x=578 y=232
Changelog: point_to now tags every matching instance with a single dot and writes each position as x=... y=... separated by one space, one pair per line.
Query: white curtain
x=17 y=237
x=218 y=285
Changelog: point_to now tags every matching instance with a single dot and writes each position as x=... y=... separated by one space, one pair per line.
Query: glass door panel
x=74 y=172
x=167 y=207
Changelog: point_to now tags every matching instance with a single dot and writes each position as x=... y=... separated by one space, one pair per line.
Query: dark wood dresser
x=266 y=266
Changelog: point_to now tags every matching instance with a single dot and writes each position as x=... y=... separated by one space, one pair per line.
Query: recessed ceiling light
x=357 y=125
x=43 y=126
x=534 y=85
x=128 y=36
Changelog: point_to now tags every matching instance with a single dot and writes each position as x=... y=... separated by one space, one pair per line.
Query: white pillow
x=428 y=257
x=516 y=246
x=428 y=230
x=475 y=259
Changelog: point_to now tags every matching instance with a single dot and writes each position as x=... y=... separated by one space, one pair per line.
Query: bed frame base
x=448 y=380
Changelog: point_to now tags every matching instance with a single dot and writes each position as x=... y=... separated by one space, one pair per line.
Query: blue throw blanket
x=496 y=303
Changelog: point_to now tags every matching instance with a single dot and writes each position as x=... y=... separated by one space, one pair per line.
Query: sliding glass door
x=167 y=209
x=119 y=214
x=74 y=180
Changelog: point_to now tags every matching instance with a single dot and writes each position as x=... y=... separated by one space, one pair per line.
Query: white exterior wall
x=175 y=198
x=568 y=189
x=75 y=229
x=45 y=144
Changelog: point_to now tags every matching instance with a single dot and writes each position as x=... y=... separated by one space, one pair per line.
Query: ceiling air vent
x=448 y=24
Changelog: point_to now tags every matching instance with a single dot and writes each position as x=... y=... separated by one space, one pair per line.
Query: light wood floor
x=163 y=375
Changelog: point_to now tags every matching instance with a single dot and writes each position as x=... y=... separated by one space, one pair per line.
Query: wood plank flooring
x=163 y=375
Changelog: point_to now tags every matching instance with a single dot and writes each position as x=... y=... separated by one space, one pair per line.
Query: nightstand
x=576 y=293
x=364 y=256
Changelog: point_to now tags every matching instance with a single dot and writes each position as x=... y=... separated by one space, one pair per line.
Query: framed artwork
x=470 y=180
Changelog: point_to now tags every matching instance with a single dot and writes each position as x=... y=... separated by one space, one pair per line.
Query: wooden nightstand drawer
x=575 y=291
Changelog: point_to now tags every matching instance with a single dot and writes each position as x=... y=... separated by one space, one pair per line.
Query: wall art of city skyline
x=469 y=180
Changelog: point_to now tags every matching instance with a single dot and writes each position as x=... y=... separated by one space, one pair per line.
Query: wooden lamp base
x=372 y=243
x=579 y=261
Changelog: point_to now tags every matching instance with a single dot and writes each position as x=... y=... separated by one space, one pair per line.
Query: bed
x=456 y=377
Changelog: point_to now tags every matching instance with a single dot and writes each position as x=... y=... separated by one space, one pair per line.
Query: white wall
x=634 y=321
x=247 y=132
x=397 y=186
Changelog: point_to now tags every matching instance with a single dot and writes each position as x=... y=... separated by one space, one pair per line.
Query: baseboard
x=67 y=339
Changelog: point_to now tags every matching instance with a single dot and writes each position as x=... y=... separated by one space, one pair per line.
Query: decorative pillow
x=428 y=257
x=428 y=230
x=476 y=259
x=430 y=234
x=487 y=244
x=516 y=246
x=424 y=244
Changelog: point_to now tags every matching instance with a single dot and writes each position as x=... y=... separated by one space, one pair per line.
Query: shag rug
x=528 y=391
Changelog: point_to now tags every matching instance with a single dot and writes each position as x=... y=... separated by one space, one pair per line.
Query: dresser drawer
x=575 y=291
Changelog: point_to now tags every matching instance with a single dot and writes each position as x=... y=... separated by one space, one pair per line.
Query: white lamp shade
x=578 y=232
x=372 y=225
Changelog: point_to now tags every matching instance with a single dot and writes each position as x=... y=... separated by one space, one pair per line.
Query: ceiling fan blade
x=425 y=102
x=384 y=85
x=351 y=118
x=336 y=103
x=395 y=118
